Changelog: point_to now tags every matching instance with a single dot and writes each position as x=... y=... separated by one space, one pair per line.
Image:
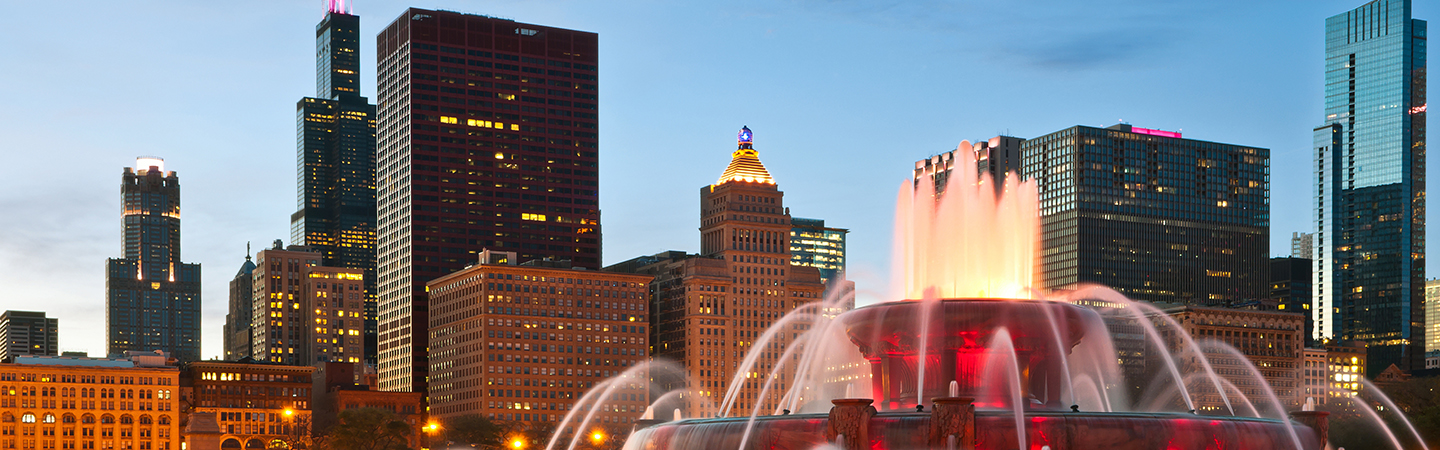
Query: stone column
x=850 y=417
x=1317 y=421
x=952 y=416
x=203 y=432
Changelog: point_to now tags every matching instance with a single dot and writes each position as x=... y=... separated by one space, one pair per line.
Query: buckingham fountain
x=969 y=357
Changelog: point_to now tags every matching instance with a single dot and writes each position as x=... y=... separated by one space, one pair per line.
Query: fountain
x=953 y=367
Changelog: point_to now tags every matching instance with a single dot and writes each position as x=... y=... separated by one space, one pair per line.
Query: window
x=27 y=418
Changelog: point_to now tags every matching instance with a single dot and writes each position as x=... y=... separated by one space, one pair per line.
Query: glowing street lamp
x=517 y=444
x=597 y=437
x=432 y=427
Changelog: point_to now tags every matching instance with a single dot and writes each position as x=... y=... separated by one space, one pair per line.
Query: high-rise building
x=303 y=313
x=1302 y=245
x=487 y=138
x=152 y=300
x=130 y=402
x=708 y=309
x=813 y=244
x=28 y=333
x=238 y=339
x=1153 y=215
x=1290 y=288
x=1370 y=183
x=996 y=157
x=522 y=343
x=336 y=160
x=1432 y=318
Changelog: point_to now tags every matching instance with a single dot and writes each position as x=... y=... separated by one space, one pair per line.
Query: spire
x=247 y=250
x=745 y=163
x=337 y=6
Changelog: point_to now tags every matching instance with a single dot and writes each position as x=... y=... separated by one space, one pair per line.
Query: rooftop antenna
x=247 y=250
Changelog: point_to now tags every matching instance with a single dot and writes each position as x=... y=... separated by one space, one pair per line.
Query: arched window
x=144 y=420
x=87 y=419
x=126 y=420
x=27 y=418
x=7 y=418
x=49 y=418
x=164 y=420
x=107 y=419
x=68 y=418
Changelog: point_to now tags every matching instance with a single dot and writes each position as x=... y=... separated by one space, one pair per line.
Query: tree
x=369 y=429
x=474 y=430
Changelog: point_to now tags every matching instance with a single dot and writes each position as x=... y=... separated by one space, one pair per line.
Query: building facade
x=49 y=402
x=996 y=157
x=335 y=306
x=488 y=137
x=812 y=244
x=1271 y=341
x=337 y=387
x=1370 y=183
x=239 y=341
x=310 y=313
x=1346 y=366
x=257 y=405
x=28 y=333
x=1155 y=216
x=1290 y=289
x=1302 y=245
x=522 y=343
x=1432 y=319
x=152 y=299
x=336 y=160
x=1315 y=376
x=709 y=309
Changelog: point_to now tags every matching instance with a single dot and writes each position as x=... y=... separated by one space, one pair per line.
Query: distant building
x=1155 y=216
x=1271 y=341
x=812 y=244
x=1302 y=245
x=1369 y=185
x=487 y=138
x=522 y=343
x=28 y=333
x=52 y=402
x=1346 y=367
x=708 y=309
x=1432 y=320
x=337 y=387
x=303 y=313
x=152 y=299
x=239 y=342
x=1290 y=287
x=1315 y=377
x=256 y=404
x=996 y=157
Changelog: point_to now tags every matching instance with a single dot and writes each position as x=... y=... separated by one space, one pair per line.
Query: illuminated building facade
x=152 y=300
x=487 y=138
x=1272 y=341
x=49 y=402
x=1152 y=215
x=303 y=313
x=1346 y=366
x=812 y=244
x=708 y=309
x=257 y=405
x=996 y=157
x=522 y=343
x=1369 y=166
x=1432 y=320
x=238 y=339
x=336 y=160
x=28 y=333
x=1315 y=376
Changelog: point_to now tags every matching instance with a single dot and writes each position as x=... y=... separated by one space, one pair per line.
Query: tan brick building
x=522 y=343
x=49 y=402
x=1273 y=341
x=302 y=312
x=336 y=297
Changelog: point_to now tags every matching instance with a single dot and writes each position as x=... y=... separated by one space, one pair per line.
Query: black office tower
x=152 y=300
x=336 y=161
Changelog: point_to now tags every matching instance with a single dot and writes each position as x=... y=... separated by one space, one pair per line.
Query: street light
x=517 y=444
x=597 y=437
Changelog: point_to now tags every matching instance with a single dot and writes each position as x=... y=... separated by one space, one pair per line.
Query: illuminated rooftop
x=144 y=163
x=745 y=163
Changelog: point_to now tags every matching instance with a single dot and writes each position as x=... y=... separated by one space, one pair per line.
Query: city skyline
x=910 y=102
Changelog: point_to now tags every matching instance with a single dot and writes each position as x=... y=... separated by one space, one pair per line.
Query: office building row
x=287 y=307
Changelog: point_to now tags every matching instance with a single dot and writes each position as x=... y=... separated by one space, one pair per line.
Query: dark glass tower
x=336 y=161
x=1369 y=262
x=488 y=139
x=152 y=300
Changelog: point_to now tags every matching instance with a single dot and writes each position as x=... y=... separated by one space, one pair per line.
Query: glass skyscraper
x=336 y=161
x=152 y=300
x=812 y=244
x=1369 y=261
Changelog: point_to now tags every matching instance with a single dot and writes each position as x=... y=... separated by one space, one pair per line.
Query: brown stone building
x=710 y=309
x=1272 y=341
x=1314 y=375
x=338 y=387
x=57 y=402
x=524 y=342
x=255 y=403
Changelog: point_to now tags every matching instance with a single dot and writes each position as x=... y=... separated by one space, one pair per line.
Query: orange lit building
x=1346 y=365
x=709 y=309
x=255 y=403
x=57 y=402
x=522 y=343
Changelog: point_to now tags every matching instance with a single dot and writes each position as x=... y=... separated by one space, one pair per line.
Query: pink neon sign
x=1161 y=133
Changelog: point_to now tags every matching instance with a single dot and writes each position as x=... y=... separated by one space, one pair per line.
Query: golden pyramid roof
x=745 y=163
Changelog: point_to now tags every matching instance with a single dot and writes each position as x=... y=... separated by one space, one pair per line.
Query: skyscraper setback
x=152 y=300
x=1369 y=261
x=487 y=139
x=336 y=160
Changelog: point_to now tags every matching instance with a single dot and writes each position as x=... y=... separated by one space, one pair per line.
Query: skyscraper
x=336 y=160
x=488 y=139
x=1151 y=214
x=152 y=300
x=815 y=245
x=302 y=312
x=238 y=340
x=28 y=333
x=1370 y=182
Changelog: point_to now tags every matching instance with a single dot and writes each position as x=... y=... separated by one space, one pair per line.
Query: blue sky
x=843 y=97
